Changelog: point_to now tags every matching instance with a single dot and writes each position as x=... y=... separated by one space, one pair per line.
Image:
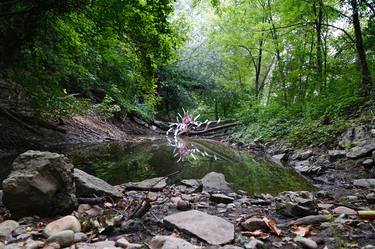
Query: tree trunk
x=366 y=77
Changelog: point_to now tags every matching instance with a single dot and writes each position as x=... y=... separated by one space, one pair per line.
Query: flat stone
x=344 y=210
x=7 y=227
x=335 y=154
x=364 y=149
x=212 y=229
x=215 y=182
x=254 y=244
x=253 y=224
x=68 y=222
x=64 y=238
x=154 y=184
x=311 y=219
x=221 y=198
x=364 y=183
x=89 y=186
x=169 y=242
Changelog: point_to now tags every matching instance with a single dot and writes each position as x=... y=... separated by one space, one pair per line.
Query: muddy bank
x=21 y=131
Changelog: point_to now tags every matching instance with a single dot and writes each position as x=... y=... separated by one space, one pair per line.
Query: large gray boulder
x=40 y=183
x=215 y=182
x=89 y=186
x=212 y=229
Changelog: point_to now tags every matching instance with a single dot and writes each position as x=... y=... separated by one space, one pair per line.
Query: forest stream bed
x=196 y=193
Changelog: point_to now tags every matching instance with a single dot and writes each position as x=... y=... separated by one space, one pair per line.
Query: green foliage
x=104 y=51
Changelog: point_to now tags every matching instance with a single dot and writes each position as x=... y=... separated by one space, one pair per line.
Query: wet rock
x=64 y=238
x=296 y=204
x=68 y=222
x=169 y=242
x=364 y=183
x=41 y=183
x=89 y=186
x=153 y=184
x=215 y=182
x=212 y=229
x=183 y=205
x=336 y=154
x=7 y=227
x=363 y=149
x=307 y=243
x=311 y=219
x=221 y=198
x=280 y=159
x=253 y=224
x=344 y=210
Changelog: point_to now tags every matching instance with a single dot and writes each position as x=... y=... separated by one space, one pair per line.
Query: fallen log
x=205 y=131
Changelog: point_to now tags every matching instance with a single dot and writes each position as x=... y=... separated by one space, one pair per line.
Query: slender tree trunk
x=318 y=11
x=278 y=54
x=366 y=76
x=258 y=70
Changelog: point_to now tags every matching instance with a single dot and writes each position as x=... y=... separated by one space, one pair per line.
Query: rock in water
x=89 y=186
x=40 y=183
x=154 y=184
x=215 y=182
x=169 y=242
x=212 y=229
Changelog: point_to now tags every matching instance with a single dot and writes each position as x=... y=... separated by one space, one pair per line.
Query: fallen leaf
x=272 y=225
x=302 y=230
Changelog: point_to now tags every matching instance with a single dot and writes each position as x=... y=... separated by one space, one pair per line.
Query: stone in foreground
x=89 y=186
x=212 y=229
x=154 y=184
x=41 y=183
x=215 y=182
x=68 y=222
x=364 y=183
x=169 y=242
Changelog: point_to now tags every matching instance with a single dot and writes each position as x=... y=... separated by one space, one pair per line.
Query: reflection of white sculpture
x=185 y=150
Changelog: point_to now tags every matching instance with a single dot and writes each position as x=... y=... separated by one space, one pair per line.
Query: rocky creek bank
x=197 y=213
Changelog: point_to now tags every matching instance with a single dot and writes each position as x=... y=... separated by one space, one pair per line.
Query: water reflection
x=185 y=150
x=123 y=162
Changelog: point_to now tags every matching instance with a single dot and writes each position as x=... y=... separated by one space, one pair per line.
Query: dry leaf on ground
x=302 y=230
x=272 y=225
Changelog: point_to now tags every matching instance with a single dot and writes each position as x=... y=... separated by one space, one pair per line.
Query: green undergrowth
x=312 y=125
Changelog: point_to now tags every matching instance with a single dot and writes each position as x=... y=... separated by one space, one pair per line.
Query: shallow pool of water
x=134 y=161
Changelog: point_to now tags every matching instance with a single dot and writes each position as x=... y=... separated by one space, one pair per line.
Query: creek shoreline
x=328 y=214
